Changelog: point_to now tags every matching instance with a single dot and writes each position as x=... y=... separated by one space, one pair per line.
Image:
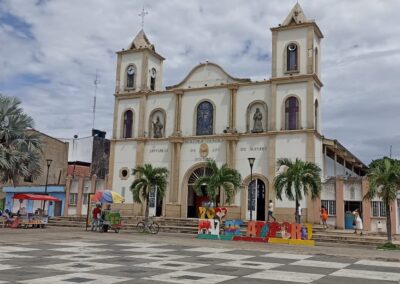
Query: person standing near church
x=271 y=210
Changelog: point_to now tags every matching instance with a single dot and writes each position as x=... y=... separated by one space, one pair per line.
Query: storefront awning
x=35 y=197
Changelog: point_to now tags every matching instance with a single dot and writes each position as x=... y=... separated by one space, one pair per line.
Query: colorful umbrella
x=107 y=196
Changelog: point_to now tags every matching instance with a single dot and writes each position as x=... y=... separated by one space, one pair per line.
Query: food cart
x=37 y=219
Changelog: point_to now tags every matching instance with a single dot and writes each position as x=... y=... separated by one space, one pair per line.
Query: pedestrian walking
x=271 y=210
x=96 y=214
x=324 y=216
x=358 y=222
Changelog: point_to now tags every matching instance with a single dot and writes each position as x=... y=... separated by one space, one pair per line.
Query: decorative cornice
x=144 y=49
x=297 y=79
x=300 y=26
x=207 y=64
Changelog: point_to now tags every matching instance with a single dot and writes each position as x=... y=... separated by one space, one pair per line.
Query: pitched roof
x=296 y=16
x=141 y=41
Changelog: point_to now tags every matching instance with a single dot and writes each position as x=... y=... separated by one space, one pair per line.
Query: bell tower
x=140 y=67
x=296 y=46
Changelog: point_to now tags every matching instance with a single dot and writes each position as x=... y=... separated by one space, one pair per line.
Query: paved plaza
x=68 y=256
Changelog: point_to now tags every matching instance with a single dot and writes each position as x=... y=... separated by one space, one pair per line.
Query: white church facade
x=211 y=114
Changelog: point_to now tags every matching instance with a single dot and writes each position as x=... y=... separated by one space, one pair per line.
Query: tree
x=297 y=179
x=222 y=178
x=20 y=149
x=384 y=182
x=148 y=178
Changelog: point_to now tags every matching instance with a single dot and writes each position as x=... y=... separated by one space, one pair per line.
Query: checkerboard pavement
x=137 y=262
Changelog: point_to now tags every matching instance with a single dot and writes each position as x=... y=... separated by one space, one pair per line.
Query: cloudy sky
x=50 y=51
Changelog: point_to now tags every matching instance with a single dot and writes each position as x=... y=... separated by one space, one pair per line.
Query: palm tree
x=297 y=179
x=384 y=182
x=148 y=178
x=222 y=178
x=20 y=148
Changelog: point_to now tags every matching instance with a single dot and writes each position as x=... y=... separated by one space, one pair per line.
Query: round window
x=292 y=47
x=124 y=173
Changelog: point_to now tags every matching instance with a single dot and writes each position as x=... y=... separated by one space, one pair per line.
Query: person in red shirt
x=95 y=217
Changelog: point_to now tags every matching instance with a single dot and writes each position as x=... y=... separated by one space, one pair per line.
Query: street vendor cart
x=37 y=219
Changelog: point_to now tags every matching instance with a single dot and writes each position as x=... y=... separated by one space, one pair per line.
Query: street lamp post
x=48 y=161
x=251 y=163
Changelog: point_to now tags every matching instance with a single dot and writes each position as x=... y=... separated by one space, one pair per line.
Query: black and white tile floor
x=134 y=262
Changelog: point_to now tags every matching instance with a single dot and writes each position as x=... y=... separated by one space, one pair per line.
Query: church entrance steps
x=189 y=226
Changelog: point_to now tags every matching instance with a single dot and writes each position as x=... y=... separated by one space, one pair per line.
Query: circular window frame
x=121 y=173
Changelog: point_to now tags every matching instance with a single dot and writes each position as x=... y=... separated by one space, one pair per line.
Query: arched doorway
x=258 y=200
x=194 y=201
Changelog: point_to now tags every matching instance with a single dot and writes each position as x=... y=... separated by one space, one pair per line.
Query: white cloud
x=51 y=49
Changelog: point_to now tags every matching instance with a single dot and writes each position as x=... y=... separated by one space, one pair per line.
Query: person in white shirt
x=271 y=211
x=298 y=213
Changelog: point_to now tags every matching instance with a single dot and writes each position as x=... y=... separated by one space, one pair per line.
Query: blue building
x=54 y=208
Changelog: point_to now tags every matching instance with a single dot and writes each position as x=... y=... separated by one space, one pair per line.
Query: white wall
x=285 y=91
x=125 y=156
x=283 y=38
x=317 y=96
x=123 y=106
x=328 y=191
x=348 y=187
x=128 y=59
x=155 y=62
x=290 y=146
x=206 y=75
x=80 y=149
x=219 y=98
x=165 y=101
x=245 y=96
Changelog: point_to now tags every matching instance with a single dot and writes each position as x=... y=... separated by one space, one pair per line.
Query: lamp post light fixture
x=48 y=161
x=251 y=163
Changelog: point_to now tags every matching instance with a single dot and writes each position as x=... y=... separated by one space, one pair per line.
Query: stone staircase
x=189 y=226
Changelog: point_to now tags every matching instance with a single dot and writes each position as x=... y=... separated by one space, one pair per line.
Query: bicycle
x=148 y=225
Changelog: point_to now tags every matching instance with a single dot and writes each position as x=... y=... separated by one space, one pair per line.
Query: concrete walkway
x=43 y=236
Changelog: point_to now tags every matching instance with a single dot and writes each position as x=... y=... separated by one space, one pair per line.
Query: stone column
x=118 y=73
x=393 y=214
x=67 y=191
x=310 y=104
x=274 y=55
x=232 y=110
x=271 y=150
x=142 y=115
x=111 y=164
x=312 y=205
x=145 y=72
x=274 y=107
x=335 y=166
x=140 y=152
x=178 y=112
x=93 y=180
x=310 y=50
x=339 y=204
x=176 y=145
x=79 y=200
x=366 y=205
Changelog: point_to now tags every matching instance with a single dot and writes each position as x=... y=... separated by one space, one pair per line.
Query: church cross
x=143 y=14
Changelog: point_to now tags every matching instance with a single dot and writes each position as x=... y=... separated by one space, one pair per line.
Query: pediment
x=206 y=75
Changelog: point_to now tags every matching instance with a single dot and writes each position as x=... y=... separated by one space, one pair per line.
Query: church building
x=212 y=114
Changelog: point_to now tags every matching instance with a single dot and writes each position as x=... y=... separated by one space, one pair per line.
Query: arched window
x=316 y=115
x=291 y=114
x=316 y=61
x=205 y=117
x=130 y=77
x=128 y=124
x=292 y=57
x=153 y=74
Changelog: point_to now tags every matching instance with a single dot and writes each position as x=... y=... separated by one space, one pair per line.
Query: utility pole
x=96 y=82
